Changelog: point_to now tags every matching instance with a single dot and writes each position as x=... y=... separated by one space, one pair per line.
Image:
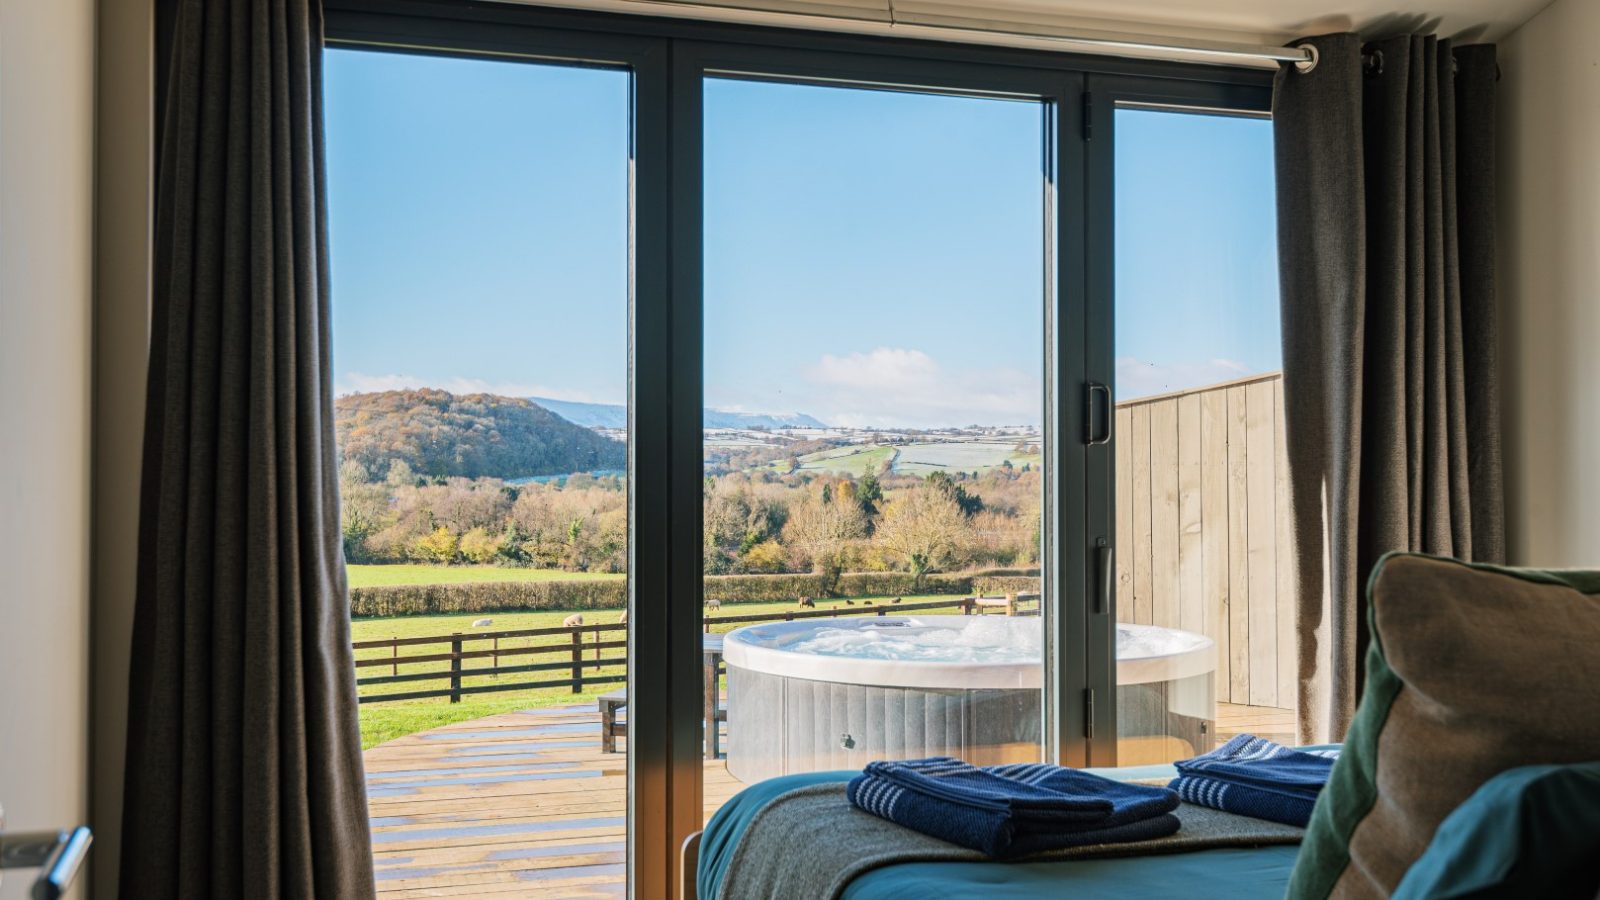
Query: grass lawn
x=386 y=721
x=422 y=573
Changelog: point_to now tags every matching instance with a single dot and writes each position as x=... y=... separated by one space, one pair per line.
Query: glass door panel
x=1204 y=596
x=875 y=298
x=480 y=251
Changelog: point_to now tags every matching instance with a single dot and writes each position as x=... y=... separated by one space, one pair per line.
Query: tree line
x=756 y=522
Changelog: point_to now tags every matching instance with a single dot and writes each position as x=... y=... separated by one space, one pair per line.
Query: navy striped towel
x=1012 y=810
x=1255 y=777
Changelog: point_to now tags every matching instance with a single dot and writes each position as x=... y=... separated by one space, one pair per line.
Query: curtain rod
x=1101 y=43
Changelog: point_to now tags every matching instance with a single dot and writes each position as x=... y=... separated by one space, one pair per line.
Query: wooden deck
x=524 y=804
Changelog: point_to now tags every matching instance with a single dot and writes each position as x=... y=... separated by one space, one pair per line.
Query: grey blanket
x=810 y=843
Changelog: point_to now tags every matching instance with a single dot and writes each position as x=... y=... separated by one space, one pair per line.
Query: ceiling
x=1263 y=21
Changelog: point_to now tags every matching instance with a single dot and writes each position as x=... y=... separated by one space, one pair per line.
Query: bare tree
x=821 y=526
x=924 y=526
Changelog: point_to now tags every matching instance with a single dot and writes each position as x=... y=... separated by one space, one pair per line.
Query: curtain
x=1385 y=167
x=244 y=771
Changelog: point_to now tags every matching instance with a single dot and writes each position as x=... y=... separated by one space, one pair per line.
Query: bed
x=1234 y=873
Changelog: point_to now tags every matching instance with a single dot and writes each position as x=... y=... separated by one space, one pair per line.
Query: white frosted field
x=955 y=456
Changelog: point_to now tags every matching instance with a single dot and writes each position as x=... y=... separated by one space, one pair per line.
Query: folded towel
x=1012 y=810
x=1251 y=776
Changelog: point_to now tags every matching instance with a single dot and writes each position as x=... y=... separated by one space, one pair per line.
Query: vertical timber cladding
x=1203 y=527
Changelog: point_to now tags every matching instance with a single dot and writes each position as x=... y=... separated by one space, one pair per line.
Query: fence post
x=455 y=667
x=597 y=648
x=577 y=661
x=394 y=655
x=880 y=611
x=496 y=675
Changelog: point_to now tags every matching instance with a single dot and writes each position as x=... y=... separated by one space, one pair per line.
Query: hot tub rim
x=740 y=651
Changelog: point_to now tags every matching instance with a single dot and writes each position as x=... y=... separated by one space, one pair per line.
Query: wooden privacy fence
x=564 y=648
x=1203 y=529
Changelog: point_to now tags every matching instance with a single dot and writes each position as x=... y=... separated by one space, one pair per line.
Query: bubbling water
x=977 y=639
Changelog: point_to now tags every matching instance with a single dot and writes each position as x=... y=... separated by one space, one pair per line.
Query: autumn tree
x=438 y=546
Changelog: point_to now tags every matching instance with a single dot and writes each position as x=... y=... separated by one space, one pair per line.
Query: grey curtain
x=1385 y=165
x=244 y=771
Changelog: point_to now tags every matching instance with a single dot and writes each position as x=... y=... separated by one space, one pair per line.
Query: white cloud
x=1138 y=378
x=892 y=386
x=361 y=383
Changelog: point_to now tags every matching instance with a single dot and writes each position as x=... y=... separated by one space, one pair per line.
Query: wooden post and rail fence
x=609 y=636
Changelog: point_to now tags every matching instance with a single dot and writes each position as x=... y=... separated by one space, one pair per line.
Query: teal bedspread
x=1231 y=874
x=1203 y=875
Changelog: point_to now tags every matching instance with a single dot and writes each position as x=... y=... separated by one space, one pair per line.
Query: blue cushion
x=1533 y=831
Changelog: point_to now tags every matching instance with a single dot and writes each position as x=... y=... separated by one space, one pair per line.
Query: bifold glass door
x=482 y=224
x=716 y=411
x=876 y=294
x=1204 y=645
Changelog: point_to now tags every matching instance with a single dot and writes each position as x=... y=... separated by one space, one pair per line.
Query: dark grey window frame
x=669 y=59
x=1107 y=92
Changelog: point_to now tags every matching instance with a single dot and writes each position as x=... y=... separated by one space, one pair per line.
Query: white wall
x=1549 y=191
x=47 y=72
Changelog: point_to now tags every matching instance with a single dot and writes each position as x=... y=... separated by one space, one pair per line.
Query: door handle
x=1106 y=561
x=1092 y=435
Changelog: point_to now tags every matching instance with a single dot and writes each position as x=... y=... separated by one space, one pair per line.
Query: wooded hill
x=475 y=435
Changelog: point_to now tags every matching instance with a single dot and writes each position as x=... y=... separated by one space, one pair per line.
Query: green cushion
x=1533 y=831
x=1471 y=670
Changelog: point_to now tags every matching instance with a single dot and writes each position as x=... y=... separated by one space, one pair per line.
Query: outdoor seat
x=610 y=728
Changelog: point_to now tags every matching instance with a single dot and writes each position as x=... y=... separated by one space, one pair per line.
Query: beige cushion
x=1472 y=670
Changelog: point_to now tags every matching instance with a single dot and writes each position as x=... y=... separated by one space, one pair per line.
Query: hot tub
x=837 y=694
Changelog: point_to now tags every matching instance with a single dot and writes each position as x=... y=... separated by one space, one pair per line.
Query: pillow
x=1528 y=832
x=1471 y=670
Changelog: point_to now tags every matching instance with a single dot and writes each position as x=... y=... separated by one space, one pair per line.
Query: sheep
x=807 y=601
x=895 y=600
x=849 y=603
x=714 y=604
x=482 y=623
x=573 y=621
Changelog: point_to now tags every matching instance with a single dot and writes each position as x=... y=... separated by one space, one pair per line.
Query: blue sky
x=871 y=257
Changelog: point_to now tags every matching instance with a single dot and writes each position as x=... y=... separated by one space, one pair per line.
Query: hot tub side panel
x=778 y=725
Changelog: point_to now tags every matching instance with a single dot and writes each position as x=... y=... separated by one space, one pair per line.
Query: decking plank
x=538 y=839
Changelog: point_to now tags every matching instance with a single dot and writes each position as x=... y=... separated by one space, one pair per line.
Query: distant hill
x=589 y=415
x=610 y=415
x=475 y=435
x=721 y=418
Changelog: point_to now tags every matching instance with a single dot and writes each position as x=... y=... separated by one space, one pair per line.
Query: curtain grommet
x=1305 y=65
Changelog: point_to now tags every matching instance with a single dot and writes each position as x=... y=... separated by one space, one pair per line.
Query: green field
x=382 y=722
x=854 y=460
x=421 y=573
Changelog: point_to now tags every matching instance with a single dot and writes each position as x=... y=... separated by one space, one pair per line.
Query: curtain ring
x=1373 y=62
x=1305 y=65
